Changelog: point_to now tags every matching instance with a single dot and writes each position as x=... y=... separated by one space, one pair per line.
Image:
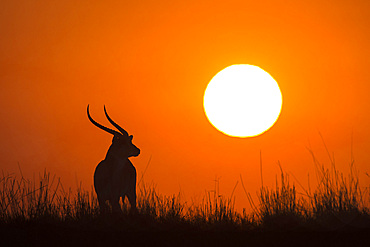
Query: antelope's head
x=122 y=141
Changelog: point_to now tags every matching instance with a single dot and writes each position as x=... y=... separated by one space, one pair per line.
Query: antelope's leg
x=131 y=196
x=102 y=205
x=115 y=205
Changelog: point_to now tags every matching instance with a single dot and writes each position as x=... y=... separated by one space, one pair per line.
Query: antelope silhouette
x=115 y=176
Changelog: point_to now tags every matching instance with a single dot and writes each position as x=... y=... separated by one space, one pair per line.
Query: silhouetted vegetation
x=337 y=203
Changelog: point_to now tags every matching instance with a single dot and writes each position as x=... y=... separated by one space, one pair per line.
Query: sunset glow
x=242 y=100
x=150 y=63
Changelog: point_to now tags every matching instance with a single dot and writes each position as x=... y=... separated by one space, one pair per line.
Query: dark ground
x=28 y=234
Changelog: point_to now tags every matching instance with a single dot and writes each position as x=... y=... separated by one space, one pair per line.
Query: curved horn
x=124 y=132
x=113 y=132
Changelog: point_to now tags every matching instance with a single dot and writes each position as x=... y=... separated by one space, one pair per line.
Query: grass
x=335 y=197
x=337 y=203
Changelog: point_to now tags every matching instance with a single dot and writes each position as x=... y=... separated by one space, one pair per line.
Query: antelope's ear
x=131 y=137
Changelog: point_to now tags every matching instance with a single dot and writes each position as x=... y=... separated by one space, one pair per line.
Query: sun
x=242 y=100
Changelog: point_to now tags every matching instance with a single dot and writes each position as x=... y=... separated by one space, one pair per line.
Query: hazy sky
x=149 y=62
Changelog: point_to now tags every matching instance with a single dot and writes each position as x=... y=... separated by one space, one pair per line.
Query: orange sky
x=149 y=62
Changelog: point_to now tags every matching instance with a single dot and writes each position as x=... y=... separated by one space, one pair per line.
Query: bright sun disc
x=242 y=100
